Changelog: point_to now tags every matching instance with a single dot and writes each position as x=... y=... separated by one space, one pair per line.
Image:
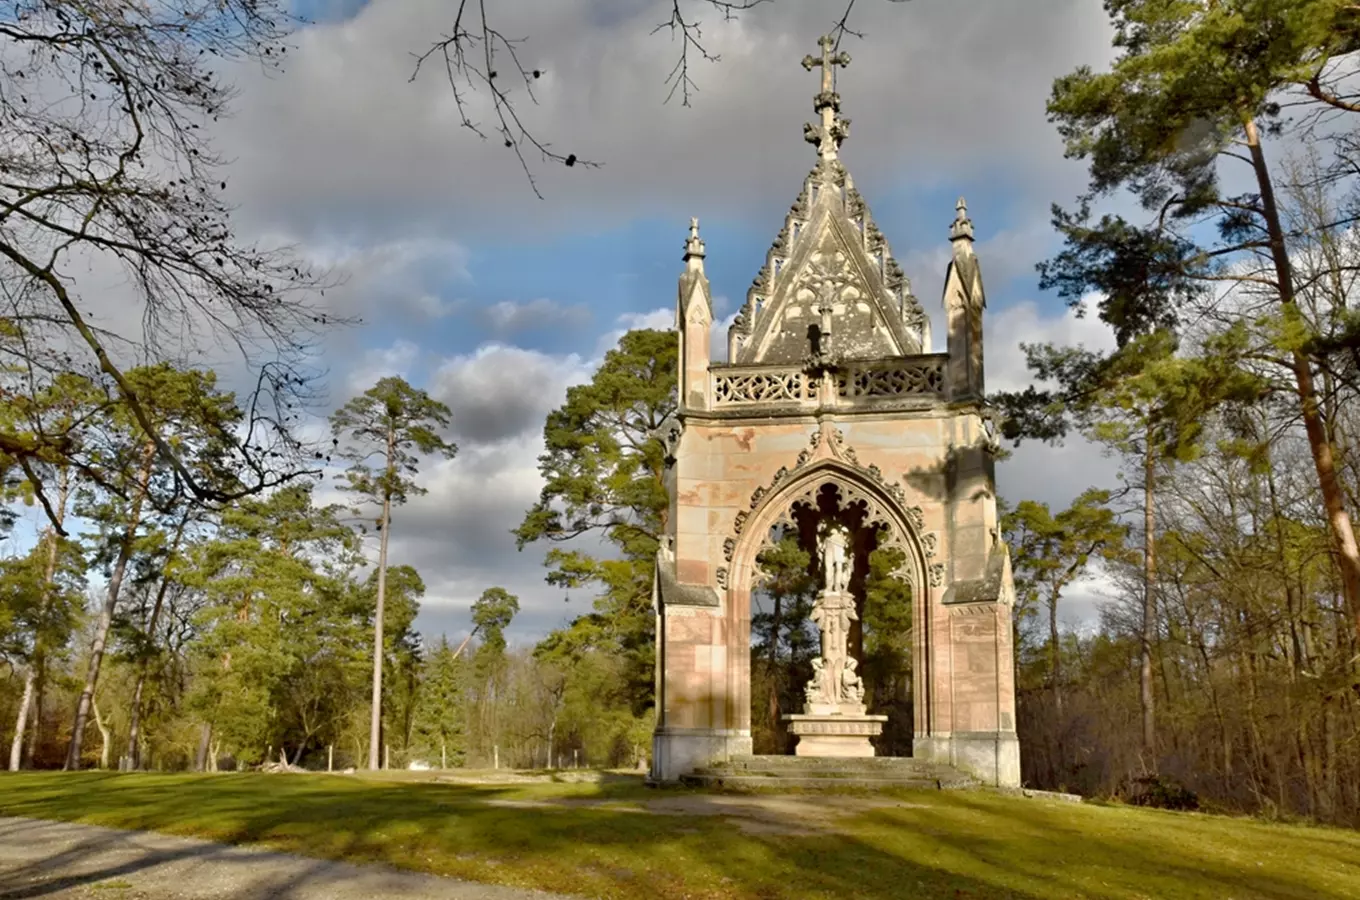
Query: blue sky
x=496 y=301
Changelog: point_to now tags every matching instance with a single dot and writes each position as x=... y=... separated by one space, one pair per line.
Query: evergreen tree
x=1198 y=86
x=603 y=474
x=382 y=431
x=280 y=653
x=184 y=410
x=440 y=721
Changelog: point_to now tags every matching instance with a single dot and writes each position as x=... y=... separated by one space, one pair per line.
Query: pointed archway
x=861 y=495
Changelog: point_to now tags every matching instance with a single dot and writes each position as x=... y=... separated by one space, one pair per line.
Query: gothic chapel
x=833 y=417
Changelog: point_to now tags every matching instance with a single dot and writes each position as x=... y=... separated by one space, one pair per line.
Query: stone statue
x=835 y=559
x=815 y=690
x=852 y=686
x=832 y=613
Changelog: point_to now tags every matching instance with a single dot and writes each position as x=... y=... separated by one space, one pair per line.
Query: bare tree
x=475 y=56
x=105 y=166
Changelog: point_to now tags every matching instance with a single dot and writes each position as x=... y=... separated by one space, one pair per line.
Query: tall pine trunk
x=1145 y=695
x=105 y=734
x=375 y=723
x=1055 y=655
x=1344 y=546
x=101 y=635
x=32 y=698
x=134 y=725
x=16 y=747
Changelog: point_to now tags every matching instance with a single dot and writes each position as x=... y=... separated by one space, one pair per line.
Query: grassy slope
x=973 y=845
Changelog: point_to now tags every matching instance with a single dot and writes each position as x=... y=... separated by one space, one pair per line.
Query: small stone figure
x=832 y=613
x=835 y=560
x=815 y=691
x=852 y=686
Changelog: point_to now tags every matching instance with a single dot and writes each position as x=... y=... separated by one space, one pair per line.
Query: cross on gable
x=827 y=62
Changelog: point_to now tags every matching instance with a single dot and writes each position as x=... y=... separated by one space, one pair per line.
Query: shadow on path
x=54 y=860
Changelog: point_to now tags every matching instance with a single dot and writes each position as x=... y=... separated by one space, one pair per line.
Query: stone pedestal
x=835 y=734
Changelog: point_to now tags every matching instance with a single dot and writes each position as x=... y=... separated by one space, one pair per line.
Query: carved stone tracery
x=877 y=382
x=828 y=443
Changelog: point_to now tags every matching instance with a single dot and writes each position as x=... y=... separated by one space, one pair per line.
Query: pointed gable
x=829 y=255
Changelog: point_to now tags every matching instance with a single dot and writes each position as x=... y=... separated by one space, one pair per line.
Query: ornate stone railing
x=761 y=385
x=919 y=376
x=910 y=378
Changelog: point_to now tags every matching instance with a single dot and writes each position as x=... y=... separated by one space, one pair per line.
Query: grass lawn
x=620 y=839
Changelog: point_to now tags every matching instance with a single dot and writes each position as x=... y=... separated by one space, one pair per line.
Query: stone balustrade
x=752 y=388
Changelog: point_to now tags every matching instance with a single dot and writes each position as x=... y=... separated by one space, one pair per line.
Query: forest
x=190 y=603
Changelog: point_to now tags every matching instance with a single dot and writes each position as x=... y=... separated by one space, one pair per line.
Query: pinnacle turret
x=962 y=229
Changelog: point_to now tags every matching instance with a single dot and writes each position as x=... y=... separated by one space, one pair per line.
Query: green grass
x=598 y=839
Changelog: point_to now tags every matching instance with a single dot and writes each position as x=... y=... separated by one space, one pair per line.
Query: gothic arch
x=886 y=504
x=884 y=507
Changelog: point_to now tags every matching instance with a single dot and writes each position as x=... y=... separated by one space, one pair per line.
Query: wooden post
x=443 y=755
x=576 y=758
x=330 y=757
x=496 y=756
x=387 y=757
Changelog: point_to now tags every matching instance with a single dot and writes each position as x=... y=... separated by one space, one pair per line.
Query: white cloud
x=508 y=317
x=501 y=392
x=396 y=359
x=344 y=141
x=1022 y=323
x=662 y=319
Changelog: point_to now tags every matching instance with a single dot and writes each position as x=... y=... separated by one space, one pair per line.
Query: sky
x=495 y=301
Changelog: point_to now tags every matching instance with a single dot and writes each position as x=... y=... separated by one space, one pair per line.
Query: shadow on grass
x=454 y=830
x=605 y=844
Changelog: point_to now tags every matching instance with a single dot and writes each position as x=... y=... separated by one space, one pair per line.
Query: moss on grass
x=600 y=839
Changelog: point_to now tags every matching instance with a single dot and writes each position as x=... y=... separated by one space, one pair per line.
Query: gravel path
x=80 y=862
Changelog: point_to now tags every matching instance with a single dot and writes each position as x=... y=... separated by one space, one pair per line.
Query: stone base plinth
x=993 y=757
x=678 y=751
x=834 y=735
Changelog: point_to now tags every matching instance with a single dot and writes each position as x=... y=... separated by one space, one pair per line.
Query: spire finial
x=694 y=247
x=832 y=130
x=963 y=226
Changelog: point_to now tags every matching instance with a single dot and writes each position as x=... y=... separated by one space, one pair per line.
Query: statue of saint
x=852 y=686
x=836 y=559
x=815 y=691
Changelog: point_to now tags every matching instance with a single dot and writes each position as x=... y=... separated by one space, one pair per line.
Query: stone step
x=880 y=766
x=790 y=782
x=828 y=773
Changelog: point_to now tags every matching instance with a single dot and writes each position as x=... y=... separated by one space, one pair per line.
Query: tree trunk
x=105 y=733
x=1145 y=696
x=375 y=723
x=101 y=635
x=35 y=728
x=204 y=741
x=1055 y=655
x=776 y=723
x=33 y=679
x=1344 y=546
x=134 y=725
x=16 y=747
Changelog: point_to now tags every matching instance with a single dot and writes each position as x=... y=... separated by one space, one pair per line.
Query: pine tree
x=391 y=422
x=1199 y=86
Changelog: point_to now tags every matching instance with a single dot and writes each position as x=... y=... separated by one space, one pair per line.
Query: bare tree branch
x=472 y=46
x=103 y=160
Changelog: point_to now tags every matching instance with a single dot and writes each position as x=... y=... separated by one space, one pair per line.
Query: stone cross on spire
x=694 y=247
x=832 y=129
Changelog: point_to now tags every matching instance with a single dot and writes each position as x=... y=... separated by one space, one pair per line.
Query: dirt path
x=82 y=862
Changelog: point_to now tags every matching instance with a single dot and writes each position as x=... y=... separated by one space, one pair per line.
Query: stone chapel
x=833 y=408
